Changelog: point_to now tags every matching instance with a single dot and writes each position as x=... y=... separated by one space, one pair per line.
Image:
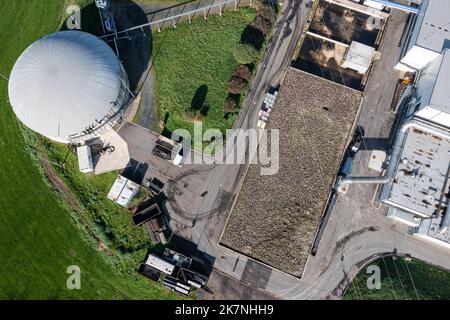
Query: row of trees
x=246 y=53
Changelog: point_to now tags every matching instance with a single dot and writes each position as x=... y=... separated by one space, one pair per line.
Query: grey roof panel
x=440 y=99
x=434 y=31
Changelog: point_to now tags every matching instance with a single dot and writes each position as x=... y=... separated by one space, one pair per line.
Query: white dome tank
x=69 y=86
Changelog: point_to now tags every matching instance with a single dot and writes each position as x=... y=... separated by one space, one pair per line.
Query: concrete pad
x=376 y=160
x=111 y=161
x=343 y=189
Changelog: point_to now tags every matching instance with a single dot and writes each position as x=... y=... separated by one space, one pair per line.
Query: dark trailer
x=146 y=214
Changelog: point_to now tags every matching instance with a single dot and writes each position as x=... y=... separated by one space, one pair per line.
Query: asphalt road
x=357 y=232
x=201 y=196
x=223 y=187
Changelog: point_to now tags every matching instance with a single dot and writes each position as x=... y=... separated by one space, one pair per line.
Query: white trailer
x=123 y=191
x=128 y=193
x=85 y=162
x=117 y=188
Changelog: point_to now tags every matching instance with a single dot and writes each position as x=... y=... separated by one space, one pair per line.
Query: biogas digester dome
x=69 y=86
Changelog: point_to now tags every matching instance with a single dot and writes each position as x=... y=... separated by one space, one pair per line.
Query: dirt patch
x=58 y=185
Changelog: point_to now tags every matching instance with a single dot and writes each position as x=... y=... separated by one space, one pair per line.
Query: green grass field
x=38 y=236
x=100 y=218
x=402 y=280
x=193 y=56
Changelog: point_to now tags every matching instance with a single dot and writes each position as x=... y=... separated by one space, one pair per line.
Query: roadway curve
x=357 y=232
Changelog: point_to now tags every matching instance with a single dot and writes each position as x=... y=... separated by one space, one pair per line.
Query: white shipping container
x=85 y=162
x=117 y=188
x=128 y=192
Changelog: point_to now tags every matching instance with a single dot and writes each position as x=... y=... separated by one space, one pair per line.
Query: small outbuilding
x=359 y=57
x=85 y=162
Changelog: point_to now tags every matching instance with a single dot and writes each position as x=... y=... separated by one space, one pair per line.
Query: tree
x=230 y=104
x=236 y=85
x=265 y=19
x=245 y=53
x=242 y=71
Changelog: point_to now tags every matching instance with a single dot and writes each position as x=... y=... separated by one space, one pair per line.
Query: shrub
x=245 y=53
x=236 y=85
x=264 y=19
x=230 y=104
x=243 y=71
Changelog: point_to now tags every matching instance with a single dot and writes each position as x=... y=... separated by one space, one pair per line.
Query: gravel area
x=275 y=217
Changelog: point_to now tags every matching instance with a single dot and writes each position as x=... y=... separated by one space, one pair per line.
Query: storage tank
x=69 y=86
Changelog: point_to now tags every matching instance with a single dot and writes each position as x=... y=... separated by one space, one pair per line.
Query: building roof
x=359 y=57
x=434 y=33
x=431 y=228
x=440 y=99
x=421 y=182
x=64 y=82
x=433 y=89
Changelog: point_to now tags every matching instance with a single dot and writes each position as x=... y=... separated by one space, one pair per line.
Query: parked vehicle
x=264 y=113
x=347 y=167
x=357 y=141
x=266 y=109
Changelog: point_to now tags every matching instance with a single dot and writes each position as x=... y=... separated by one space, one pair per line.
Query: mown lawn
x=38 y=236
x=402 y=280
x=197 y=57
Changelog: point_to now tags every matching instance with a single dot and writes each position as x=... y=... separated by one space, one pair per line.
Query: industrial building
x=416 y=184
x=428 y=36
x=419 y=192
x=341 y=42
x=314 y=117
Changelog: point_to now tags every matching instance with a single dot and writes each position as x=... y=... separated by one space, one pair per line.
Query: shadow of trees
x=198 y=100
x=134 y=47
x=198 y=104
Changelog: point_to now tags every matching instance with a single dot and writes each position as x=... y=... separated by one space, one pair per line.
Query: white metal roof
x=359 y=57
x=117 y=188
x=128 y=192
x=434 y=33
x=440 y=99
x=63 y=83
x=433 y=88
x=123 y=191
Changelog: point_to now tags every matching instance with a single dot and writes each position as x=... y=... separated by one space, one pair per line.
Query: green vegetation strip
x=401 y=280
x=38 y=239
x=197 y=58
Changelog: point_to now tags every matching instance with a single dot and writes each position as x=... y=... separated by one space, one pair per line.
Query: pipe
x=396 y=5
x=364 y=180
x=395 y=155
